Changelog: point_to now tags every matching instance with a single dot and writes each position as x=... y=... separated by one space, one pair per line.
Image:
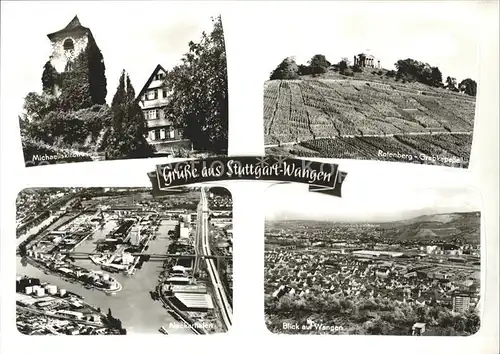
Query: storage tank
x=62 y=292
x=52 y=289
x=40 y=291
x=105 y=276
x=28 y=290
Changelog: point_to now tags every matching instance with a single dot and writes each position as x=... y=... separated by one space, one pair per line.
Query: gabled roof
x=151 y=78
x=73 y=25
x=75 y=22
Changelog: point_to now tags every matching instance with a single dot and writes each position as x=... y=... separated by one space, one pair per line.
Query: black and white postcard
x=348 y=203
x=124 y=260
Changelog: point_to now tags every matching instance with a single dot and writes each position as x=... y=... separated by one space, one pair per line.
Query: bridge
x=155 y=256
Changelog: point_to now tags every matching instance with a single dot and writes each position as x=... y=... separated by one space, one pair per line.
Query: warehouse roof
x=195 y=301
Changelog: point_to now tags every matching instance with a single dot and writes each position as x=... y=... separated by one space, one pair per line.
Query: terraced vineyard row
x=442 y=149
x=298 y=110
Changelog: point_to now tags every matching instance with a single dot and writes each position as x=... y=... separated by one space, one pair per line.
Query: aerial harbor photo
x=414 y=271
x=124 y=260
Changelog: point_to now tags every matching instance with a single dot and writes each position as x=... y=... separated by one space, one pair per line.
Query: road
x=203 y=245
x=85 y=255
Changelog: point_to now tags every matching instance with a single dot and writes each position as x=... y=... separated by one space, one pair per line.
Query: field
x=357 y=118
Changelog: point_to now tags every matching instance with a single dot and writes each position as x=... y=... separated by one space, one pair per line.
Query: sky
x=441 y=34
x=370 y=197
x=135 y=36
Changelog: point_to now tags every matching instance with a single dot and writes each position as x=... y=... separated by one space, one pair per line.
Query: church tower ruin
x=76 y=64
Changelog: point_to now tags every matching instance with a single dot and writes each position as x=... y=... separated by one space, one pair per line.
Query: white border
x=245 y=44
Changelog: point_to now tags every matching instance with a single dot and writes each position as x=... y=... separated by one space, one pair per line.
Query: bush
x=347 y=72
x=70 y=129
x=414 y=70
x=318 y=64
x=286 y=70
x=357 y=69
x=390 y=73
x=304 y=70
x=342 y=66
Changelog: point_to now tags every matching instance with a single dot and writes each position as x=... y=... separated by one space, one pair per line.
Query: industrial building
x=135 y=235
x=377 y=254
x=193 y=301
x=178 y=280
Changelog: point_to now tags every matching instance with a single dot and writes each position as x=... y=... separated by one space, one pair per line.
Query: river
x=133 y=304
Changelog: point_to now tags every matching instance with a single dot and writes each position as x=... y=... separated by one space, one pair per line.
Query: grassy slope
x=367 y=105
x=443 y=226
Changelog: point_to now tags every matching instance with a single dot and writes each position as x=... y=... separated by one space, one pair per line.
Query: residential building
x=153 y=99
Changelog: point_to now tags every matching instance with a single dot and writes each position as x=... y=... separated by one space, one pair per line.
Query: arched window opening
x=68 y=44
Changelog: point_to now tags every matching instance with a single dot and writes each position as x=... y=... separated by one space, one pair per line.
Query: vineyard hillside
x=354 y=118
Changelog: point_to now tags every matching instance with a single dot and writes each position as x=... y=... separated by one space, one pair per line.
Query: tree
x=22 y=249
x=346 y=60
x=436 y=77
x=304 y=69
x=50 y=77
x=198 y=101
x=97 y=73
x=414 y=70
x=288 y=70
x=468 y=86
x=342 y=66
x=126 y=138
x=120 y=96
x=472 y=323
x=318 y=64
